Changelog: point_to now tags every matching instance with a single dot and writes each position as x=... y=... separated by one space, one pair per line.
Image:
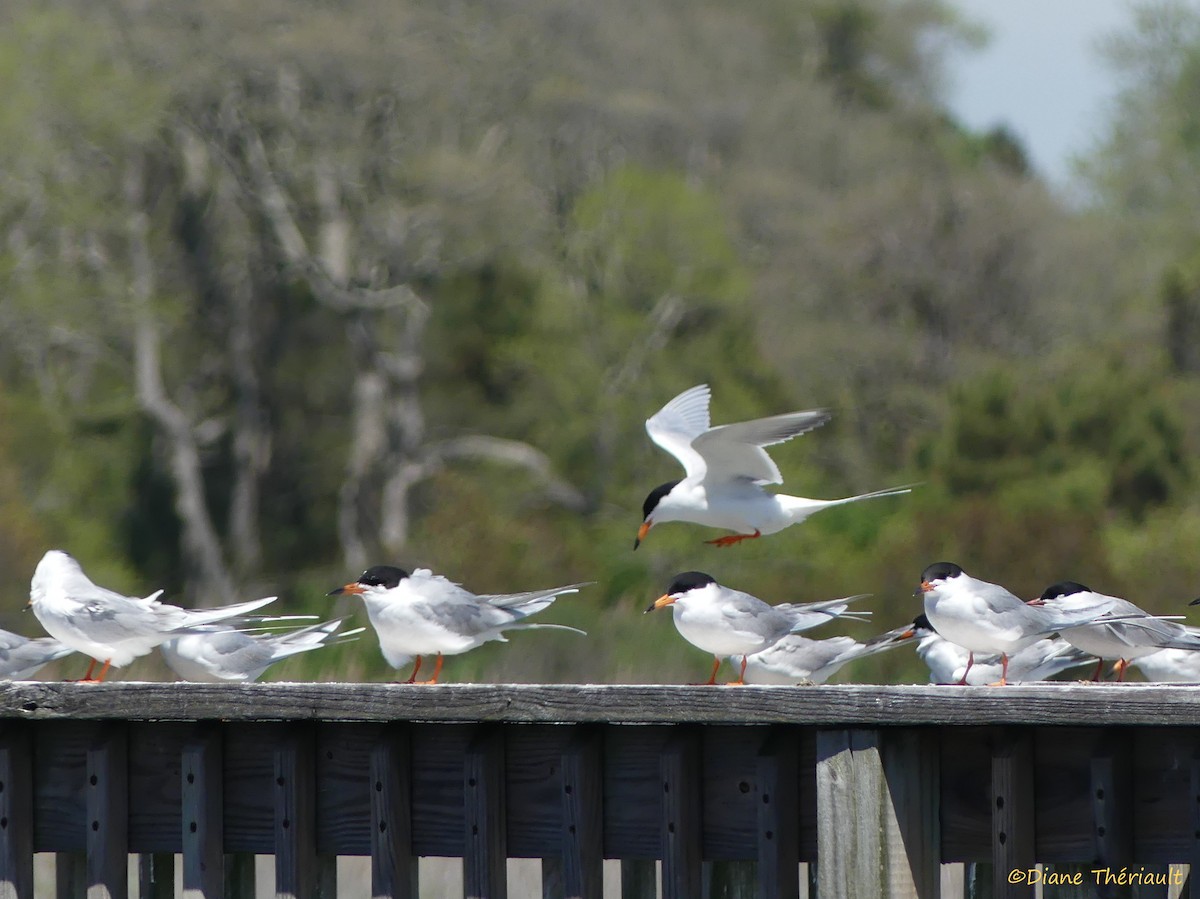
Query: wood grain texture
x=202 y=817
x=16 y=812
x=778 y=815
x=108 y=814
x=295 y=815
x=393 y=867
x=1058 y=704
x=682 y=823
x=1012 y=813
x=485 y=874
x=582 y=866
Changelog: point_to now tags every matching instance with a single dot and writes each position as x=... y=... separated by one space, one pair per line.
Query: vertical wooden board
x=16 y=811
x=533 y=786
x=911 y=815
x=1112 y=800
x=878 y=813
x=202 y=815
x=682 y=823
x=107 y=793
x=248 y=770
x=965 y=759
x=155 y=753
x=582 y=809
x=295 y=815
x=438 y=751
x=808 y=794
x=633 y=791
x=485 y=860
x=393 y=865
x=59 y=772
x=1013 y=813
x=343 y=756
x=730 y=791
x=1162 y=826
x=1062 y=778
x=778 y=802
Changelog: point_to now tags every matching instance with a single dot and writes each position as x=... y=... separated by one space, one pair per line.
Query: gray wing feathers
x=685 y=415
x=807 y=615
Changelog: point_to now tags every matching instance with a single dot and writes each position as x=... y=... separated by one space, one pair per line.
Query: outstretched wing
x=735 y=451
x=678 y=423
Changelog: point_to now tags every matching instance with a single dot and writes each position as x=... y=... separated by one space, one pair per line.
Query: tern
x=22 y=656
x=214 y=653
x=725 y=469
x=110 y=627
x=1120 y=641
x=422 y=613
x=727 y=622
x=798 y=659
x=986 y=618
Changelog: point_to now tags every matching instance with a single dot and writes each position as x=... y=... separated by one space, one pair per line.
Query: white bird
x=215 y=653
x=727 y=622
x=22 y=656
x=725 y=469
x=421 y=613
x=795 y=659
x=948 y=662
x=985 y=618
x=1170 y=666
x=1120 y=641
x=110 y=627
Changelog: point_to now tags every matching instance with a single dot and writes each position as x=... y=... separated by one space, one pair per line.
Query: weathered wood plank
x=582 y=768
x=778 y=815
x=108 y=814
x=1012 y=813
x=16 y=813
x=877 y=814
x=682 y=824
x=393 y=867
x=485 y=873
x=1057 y=704
x=295 y=816
x=203 y=826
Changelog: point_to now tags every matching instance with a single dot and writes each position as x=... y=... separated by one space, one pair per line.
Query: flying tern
x=725 y=469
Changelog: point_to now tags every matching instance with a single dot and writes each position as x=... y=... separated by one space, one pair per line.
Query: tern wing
x=678 y=423
x=735 y=451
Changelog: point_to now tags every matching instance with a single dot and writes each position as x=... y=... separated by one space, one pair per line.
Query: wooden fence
x=884 y=788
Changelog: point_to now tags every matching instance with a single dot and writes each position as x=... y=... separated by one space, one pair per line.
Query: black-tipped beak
x=663 y=601
x=1195 y=602
x=355 y=589
x=642 y=532
x=923 y=589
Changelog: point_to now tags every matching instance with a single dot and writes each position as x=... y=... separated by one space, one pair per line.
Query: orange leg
x=1099 y=669
x=1003 y=672
x=1120 y=666
x=967 y=670
x=741 y=674
x=104 y=670
x=87 y=678
x=437 y=669
x=730 y=539
x=712 y=678
x=416 y=667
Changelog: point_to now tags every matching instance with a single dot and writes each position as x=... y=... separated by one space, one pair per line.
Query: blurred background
x=288 y=289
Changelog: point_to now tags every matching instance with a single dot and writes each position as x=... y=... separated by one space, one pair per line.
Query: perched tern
x=797 y=659
x=215 y=653
x=947 y=662
x=421 y=613
x=22 y=656
x=110 y=627
x=728 y=622
x=725 y=469
x=985 y=618
x=1119 y=641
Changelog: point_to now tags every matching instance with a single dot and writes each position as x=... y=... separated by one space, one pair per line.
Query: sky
x=1041 y=74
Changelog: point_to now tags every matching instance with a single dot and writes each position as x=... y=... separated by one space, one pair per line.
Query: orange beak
x=355 y=589
x=642 y=532
x=660 y=603
x=924 y=588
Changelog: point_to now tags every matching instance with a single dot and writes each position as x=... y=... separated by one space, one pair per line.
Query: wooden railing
x=886 y=789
